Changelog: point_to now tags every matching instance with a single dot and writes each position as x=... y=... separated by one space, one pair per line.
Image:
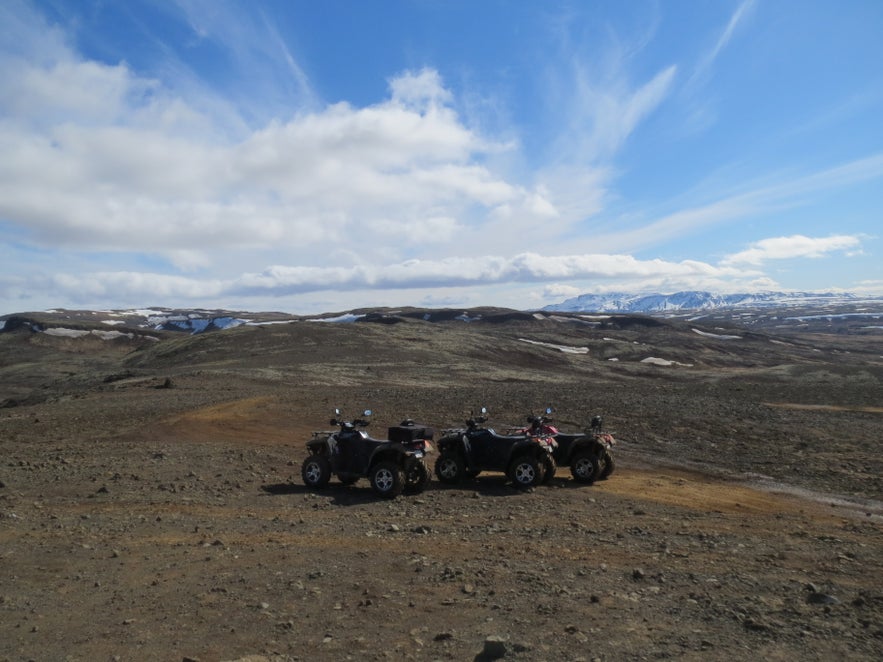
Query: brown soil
x=146 y=519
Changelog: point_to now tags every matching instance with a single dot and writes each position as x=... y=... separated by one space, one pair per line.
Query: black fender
x=595 y=447
x=453 y=443
x=526 y=448
x=457 y=443
x=321 y=445
x=396 y=453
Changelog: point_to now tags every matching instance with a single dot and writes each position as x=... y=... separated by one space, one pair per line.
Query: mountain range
x=623 y=302
x=799 y=310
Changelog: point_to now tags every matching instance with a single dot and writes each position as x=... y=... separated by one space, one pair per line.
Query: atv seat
x=507 y=437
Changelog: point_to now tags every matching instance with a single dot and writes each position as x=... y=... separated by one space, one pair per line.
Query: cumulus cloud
x=97 y=157
x=560 y=291
x=315 y=177
x=420 y=90
x=795 y=246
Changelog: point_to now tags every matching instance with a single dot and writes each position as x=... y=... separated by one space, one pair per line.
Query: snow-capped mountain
x=621 y=302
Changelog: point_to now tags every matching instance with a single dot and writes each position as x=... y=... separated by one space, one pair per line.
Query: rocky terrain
x=151 y=506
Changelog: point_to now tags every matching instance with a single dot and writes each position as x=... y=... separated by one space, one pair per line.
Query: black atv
x=588 y=454
x=466 y=452
x=393 y=465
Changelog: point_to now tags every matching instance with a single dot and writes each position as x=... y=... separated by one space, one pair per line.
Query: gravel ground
x=151 y=506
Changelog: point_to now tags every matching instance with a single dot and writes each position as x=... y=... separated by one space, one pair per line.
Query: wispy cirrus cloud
x=593 y=97
x=596 y=103
x=269 y=80
x=603 y=113
x=741 y=14
x=757 y=198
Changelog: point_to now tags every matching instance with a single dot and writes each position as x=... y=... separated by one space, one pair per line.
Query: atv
x=466 y=452
x=587 y=453
x=392 y=465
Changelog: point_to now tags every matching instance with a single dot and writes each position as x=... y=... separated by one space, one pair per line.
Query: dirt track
x=147 y=523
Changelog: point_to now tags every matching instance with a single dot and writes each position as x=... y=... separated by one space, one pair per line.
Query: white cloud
x=453 y=272
x=121 y=172
x=594 y=91
x=795 y=246
x=421 y=91
x=765 y=197
x=252 y=43
x=106 y=159
x=601 y=114
x=872 y=287
x=578 y=191
x=66 y=91
x=417 y=231
x=638 y=105
x=739 y=16
x=559 y=291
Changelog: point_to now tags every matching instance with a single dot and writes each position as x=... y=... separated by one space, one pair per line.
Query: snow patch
x=716 y=335
x=66 y=333
x=269 y=322
x=832 y=317
x=588 y=320
x=652 y=360
x=561 y=348
x=345 y=318
x=59 y=332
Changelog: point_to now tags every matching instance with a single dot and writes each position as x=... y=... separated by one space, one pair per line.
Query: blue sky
x=316 y=156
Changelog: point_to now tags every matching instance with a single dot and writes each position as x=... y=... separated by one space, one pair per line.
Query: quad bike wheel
x=607 y=466
x=416 y=477
x=316 y=471
x=525 y=471
x=585 y=467
x=450 y=468
x=387 y=479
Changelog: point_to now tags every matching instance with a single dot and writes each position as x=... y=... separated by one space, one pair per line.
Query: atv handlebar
x=355 y=423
